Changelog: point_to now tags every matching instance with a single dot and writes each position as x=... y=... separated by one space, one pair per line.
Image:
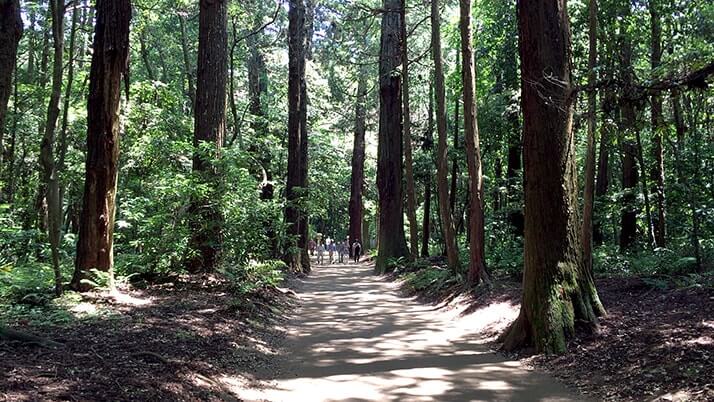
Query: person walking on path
x=311 y=246
x=320 y=254
x=331 y=251
x=343 y=250
x=357 y=250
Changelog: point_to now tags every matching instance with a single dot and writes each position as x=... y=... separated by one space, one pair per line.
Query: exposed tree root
x=12 y=335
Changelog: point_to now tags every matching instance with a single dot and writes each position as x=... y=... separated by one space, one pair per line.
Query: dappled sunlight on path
x=355 y=339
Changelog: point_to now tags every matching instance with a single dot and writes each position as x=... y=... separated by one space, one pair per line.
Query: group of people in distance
x=342 y=249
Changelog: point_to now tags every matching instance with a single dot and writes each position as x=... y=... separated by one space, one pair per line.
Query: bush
x=256 y=276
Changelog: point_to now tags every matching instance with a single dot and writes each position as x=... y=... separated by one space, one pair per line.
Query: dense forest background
x=651 y=129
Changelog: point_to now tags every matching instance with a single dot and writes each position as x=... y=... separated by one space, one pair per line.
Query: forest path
x=354 y=338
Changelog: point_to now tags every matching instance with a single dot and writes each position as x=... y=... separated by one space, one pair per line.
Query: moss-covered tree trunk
x=392 y=241
x=557 y=291
x=109 y=64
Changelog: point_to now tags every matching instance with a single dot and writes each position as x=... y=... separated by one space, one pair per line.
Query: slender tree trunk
x=453 y=192
x=442 y=150
x=109 y=64
x=205 y=218
x=427 y=148
x=657 y=173
x=557 y=291
x=408 y=161
x=589 y=191
x=645 y=189
x=50 y=179
x=145 y=56
x=10 y=33
x=187 y=60
x=681 y=130
x=477 y=268
x=296 y=136
x=392 y=242
x=358 y=155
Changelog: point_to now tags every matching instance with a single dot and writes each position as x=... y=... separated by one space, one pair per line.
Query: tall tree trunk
x=50 y=179
x=188 y=71
x=309 y=16
x=589 y=191
x=442 y=156
x=10 y=33
x=294 y=191
x=257 y=87
x=477 y=268
x=645 y=189
x=205 y=218
x=453 y=192
x=681 y=130
x=427 y=149
x=557 y=291
x=630 y=174
x=657 y=173
x=392 y=242
x=408 y=161
x=109 y=64
x=358 y=155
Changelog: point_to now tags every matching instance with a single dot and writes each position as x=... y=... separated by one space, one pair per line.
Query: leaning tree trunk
x=10 y=33
x=557 y=291
x=296 y=135
x=392 y=242
x=442 y=156
x=358 y=154
x=109 y=64
x=477 y=269
x=408 y=160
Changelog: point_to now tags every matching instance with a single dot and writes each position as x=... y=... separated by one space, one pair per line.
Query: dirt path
x=355 y=339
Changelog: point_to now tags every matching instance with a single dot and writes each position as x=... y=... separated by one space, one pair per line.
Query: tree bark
x=557 y=291
x=657 y=172
x=453 y=191
x=294 y=190
x=109 y=64
x=477 y=269
x=187 y=60
x=408 y=160
x=427 y=148
x=392 y=241
x=358 y=156
x=205 y=219
x=442 y=157
x=50 y=180
x=10 y=33
x=589 y=191
x=630 y=173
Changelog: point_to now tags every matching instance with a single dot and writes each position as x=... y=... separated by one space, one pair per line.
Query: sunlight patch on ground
x=124 y=298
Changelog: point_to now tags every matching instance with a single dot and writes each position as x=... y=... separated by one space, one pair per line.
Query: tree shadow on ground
x=169 y=343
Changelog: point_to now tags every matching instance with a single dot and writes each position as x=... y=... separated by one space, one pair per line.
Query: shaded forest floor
x=175 y=341
x=655 y=344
